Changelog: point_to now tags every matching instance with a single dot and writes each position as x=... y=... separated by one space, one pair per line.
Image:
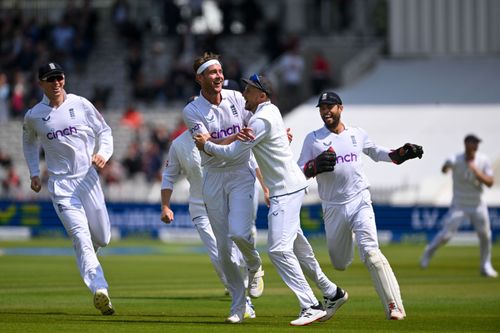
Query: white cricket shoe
x=333 y=304
x=234 y=319
x=102 y=302
x=256 y=283
x=395 y=312
x=489 y=271
x=249 y=309
x=309 y=315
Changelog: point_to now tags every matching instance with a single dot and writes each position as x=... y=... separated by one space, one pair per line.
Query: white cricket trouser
x=80 y=205
x=289 y=249
x=207 y=236
x=344 y=221
x=228 y=194
x=310 y=266
x=480 y=220
x=357 y=218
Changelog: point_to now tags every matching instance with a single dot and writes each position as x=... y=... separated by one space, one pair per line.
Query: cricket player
x=184 y=157
x=332 y=154
x=228 y=187
x=288 y=248
x=471 y=171
x=76 y=140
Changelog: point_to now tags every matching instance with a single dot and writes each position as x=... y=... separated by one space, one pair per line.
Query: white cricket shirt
x=69 y=135
x=222 y=120
x=271 y=149
x=467 y=190
x=348 y=179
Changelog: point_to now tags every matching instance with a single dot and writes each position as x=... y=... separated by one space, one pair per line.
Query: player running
x=471 y=171
x=69 y=129
x=228 y=187
x=288 y=248
x=332 y=154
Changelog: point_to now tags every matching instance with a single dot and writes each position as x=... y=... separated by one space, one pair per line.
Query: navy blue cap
x=329 y=97
x=49 y=69
x=231 y=85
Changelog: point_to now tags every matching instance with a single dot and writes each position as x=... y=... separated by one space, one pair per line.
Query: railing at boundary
x=397 y=224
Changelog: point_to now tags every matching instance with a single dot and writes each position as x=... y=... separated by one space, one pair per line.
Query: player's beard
x=332 y=122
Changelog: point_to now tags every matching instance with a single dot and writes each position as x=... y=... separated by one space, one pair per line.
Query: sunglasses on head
x=54 y=78
x=255 y=79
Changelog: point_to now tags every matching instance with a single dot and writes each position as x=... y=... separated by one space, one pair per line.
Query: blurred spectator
x=62 y=40
x=5 y=159
x=4 y=98
x=161 y=137
x=132 y=162
x=156 y=70
x=171 y=16
x=112 y=173
x=11 y=184
x=228 y=11
x=101 y=96
x=26 y=57
x=291 y=70
x=180 y=80
x=132 y=118
x=233 y=69
x=129 y=30
x=320 y=74
x=271 y=44
x=120 y=11
x=152 y=162
x=134 y=62
x=251 y=14
x=17 y=100
x=89 y=23
x=142 y=90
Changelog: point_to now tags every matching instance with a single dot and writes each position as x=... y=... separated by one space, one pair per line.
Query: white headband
x=207 y=64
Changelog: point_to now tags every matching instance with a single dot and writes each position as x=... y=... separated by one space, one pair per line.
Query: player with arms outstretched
x=332 y=154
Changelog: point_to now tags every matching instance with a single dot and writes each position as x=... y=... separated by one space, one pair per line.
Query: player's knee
x=239 y=237
x=101 y=242
x=373 y=258
x=484 y=235
x=339 y=264
x=278 y=253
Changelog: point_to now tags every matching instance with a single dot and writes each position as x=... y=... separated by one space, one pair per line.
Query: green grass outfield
x=174 y=289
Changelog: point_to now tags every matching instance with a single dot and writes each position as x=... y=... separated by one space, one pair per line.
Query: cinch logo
x=225 y=132
x=352 y=157
x=64 y=132
x=195 y=128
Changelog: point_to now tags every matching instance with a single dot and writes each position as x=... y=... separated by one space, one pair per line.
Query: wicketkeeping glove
x=324 y=162
x=407 y=152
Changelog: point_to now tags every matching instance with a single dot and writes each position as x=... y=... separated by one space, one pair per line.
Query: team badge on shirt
x=72 y=113
x=353 y=139
x=235 y=112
